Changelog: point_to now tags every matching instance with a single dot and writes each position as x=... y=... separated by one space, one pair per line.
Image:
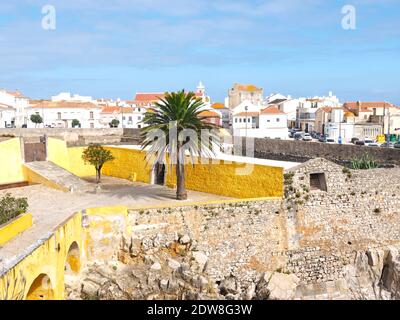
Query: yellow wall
x=11 y=170
x=222 y=179
x=48 y=259
x=128 y=164
x=15 y=227
x=68 y=158
x=57 y=152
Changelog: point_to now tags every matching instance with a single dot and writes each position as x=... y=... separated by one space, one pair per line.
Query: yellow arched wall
x=49 y=259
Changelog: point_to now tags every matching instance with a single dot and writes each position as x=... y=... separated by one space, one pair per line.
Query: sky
x=113 y=49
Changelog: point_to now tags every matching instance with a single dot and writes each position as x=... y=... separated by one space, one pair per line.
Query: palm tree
x=176 y=112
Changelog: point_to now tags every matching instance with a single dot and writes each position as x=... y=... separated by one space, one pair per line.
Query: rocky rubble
x=169 y=268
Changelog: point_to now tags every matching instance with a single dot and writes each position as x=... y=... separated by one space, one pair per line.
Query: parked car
x=360 y=143
x=293 y=131
x=397 y=145
x=298 y=136
x=307 y=137
x=368 y=142
x=374 y=144
x=322 y=138
x=354 y=140
x=387 y=145
x=330 y=140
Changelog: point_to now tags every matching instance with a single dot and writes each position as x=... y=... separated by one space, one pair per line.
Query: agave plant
x=173 y=116
x=364 y=162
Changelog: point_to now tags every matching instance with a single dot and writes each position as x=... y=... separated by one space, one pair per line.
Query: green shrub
x=11 y=208
x=363 y=163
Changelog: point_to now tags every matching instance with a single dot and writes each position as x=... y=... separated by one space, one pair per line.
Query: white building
x=7 y=116
x=67 y=96
x=307 y=108
x=61 y=114
x=253 y=121
x=16 y=101
x=128 y=117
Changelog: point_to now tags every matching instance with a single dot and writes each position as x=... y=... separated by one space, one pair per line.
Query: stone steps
x=59 y=176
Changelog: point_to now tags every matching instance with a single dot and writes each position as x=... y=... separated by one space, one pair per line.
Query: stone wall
x=341 y=243
x=71 y=136
x=300 y=151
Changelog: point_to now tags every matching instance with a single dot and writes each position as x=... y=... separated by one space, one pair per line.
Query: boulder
x=282 y=286
x=201 y=260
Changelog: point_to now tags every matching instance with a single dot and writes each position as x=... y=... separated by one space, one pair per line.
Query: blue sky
x=113 y=49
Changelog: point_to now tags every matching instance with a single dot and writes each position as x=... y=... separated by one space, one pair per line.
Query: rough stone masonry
x=335 y=235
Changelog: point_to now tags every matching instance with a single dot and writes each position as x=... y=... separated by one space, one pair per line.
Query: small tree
x=97 y=156
x=36 y=119
x=76 y=123
x=114 y=123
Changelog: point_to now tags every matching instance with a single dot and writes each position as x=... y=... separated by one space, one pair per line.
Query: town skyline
x=113 y=50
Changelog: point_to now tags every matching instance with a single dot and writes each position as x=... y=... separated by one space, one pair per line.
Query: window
x=139 y=109
x=59 y=115
x=91 y=115
x=236 y=120
x=240 y=120
x=318 y=181
x=139 y=118
x=278 y=120
x=130 y=119
x=91 y=126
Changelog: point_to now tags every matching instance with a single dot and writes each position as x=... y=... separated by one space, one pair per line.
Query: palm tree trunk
x=181 y=193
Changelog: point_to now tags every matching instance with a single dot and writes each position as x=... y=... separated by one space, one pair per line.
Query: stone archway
x=73 y=259
x=41 y=289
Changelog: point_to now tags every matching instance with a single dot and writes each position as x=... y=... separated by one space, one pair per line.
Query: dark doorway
x=159 y=174
x=35 y=151
x=318 y=181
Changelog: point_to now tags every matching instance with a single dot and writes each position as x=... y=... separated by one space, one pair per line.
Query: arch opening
x=41 y=289
x=73 y=260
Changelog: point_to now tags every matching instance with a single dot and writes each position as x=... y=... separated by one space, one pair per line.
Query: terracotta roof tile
x=218 y=105
x=210 y=114
x=46 y=104
x=248 y=114
x=272 y=110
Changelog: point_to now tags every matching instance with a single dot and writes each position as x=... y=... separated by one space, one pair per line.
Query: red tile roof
x=248 y=114
x=367 y=105
x=116 y=110
x=46 y=104
x=218 y=105
x=149 y=98
x=209 y=114
x=272 y=110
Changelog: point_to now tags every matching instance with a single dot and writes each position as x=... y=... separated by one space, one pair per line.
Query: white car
x=307 y=137
x=368 y=142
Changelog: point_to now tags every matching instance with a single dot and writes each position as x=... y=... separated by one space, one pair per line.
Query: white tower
x=201 y=88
